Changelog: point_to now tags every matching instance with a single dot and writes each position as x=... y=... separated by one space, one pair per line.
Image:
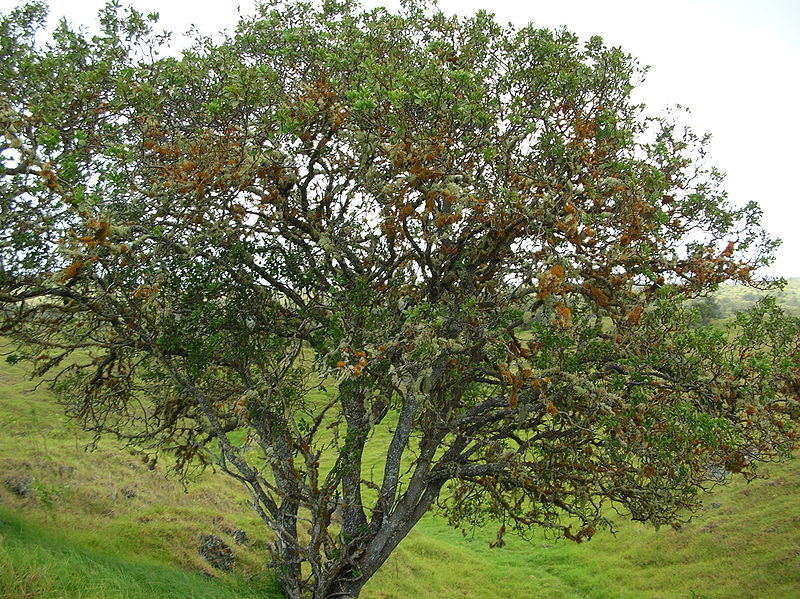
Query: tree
x=338 y=234
x=708 y=309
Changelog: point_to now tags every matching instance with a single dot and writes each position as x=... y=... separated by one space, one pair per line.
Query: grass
x=39 y=563
x=733 y=298
x=746 y=546
x=107 y=503
x=78 y=524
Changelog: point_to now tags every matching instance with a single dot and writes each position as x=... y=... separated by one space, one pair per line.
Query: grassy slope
x=88 y=514
x=746 y=546
x=37 y=563
x=100 y=524
x=734 y=298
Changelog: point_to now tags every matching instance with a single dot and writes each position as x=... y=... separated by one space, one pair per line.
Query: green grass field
x=100 y=524
x=732 y=298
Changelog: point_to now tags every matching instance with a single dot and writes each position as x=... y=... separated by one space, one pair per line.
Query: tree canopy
x=337 y=233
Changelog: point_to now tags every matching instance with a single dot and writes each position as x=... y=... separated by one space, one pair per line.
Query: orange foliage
x=144 y=291
x=564 y=313
x=407 y=210
x=597 y=294
x=73 y=269
x=551 y=281
x=728 y=250
x=635 y=314
x=101 y=229
x=585 y=128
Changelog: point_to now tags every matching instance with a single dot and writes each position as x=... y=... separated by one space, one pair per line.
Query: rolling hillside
x=100 y=524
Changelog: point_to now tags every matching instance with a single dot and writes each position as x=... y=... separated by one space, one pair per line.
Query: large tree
x=371 y=264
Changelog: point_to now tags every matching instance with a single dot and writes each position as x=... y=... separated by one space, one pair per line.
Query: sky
x=734 y=63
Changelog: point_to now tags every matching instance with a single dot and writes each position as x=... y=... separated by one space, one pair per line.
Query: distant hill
x=735 y=298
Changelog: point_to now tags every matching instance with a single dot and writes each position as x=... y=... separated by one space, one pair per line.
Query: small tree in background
x=708 y=309
x=340 y=234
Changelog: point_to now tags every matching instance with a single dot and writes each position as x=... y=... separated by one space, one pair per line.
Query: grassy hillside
x=78 y=524
x=38 y=562
x=746 y=544
x=733 y=298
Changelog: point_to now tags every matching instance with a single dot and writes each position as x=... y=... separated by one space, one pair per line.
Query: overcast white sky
x=735 y=63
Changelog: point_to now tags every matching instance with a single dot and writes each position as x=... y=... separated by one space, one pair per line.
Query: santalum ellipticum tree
x=465 y=233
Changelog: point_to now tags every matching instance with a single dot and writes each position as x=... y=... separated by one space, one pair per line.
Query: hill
x=100 y=524
x=733 y=298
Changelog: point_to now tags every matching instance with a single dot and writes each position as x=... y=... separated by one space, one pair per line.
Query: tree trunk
x=347 y=585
